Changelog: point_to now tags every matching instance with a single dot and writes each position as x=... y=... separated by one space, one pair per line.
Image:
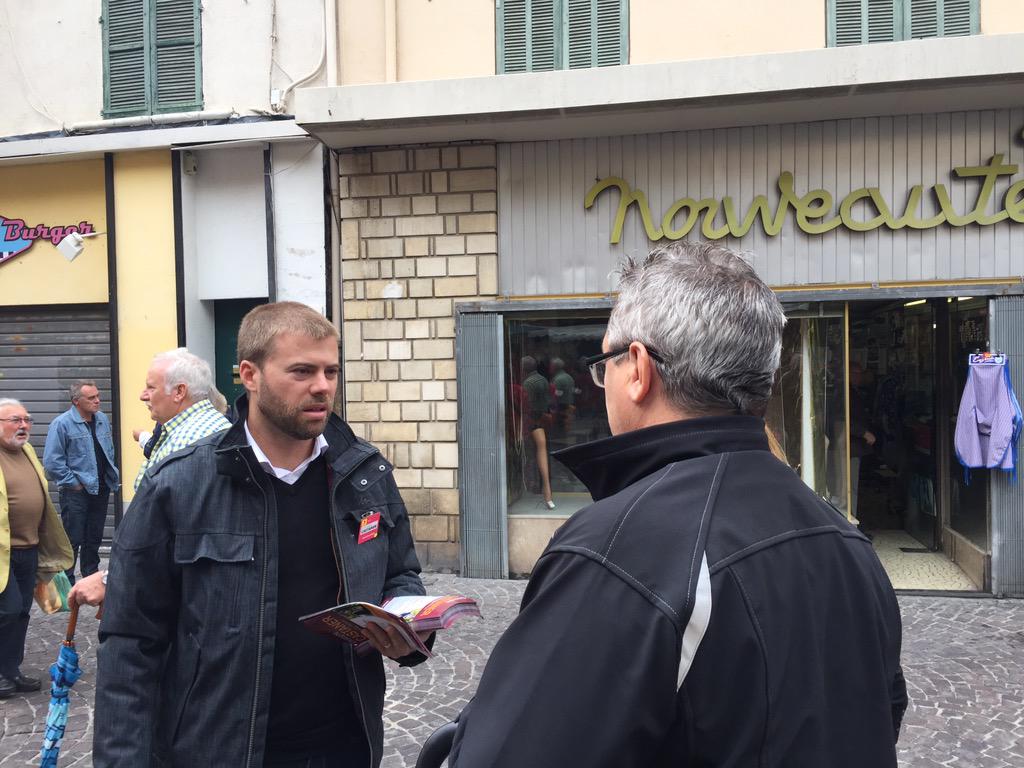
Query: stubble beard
x=286 y=419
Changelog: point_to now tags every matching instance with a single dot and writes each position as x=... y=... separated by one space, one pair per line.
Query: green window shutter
x=855 y=22
x=527 y=39
x=882 y=21
x=959 y=17
x=124 y=57
x=543 y=25
x=177 y=58
x=612 y=33
x=924 y=18
x=512 y=40
x=594 y=33
x=581 y=34
x=942 y=18
x=846 y=22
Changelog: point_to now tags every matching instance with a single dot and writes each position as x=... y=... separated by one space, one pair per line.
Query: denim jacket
x=187 y=637
x=69 y=457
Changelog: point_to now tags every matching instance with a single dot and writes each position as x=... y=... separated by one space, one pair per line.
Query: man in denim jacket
x=79 y=458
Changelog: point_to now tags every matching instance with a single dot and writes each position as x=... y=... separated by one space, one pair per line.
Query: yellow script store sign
x=813 y=211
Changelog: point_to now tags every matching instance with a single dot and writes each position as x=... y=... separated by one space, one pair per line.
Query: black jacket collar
x=344 y=450
x=607 y=466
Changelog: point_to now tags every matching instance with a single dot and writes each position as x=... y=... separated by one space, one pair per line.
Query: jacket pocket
x=217 y=572
x=190 y=548
x=370 y=472
x=219 y=547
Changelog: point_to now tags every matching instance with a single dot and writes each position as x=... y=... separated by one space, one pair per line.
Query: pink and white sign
x=16 y=236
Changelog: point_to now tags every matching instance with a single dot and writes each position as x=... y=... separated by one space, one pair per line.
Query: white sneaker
x=549 y=504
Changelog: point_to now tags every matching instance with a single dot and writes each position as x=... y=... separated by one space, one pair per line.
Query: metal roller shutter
x=42 y=351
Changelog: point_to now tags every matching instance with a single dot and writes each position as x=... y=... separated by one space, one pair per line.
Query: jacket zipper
x=260 y=619
x=344 y=588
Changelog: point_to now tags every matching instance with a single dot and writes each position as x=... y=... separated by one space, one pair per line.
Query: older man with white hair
x=178 y=388
x=709 y=608
x=33 y=545
x=177 y=392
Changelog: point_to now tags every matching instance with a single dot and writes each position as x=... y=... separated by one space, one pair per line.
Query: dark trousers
x=15 y=603
x=84 y=516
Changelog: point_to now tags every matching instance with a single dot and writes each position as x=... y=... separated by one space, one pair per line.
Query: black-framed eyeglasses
x=19 y=419
x=597 y=363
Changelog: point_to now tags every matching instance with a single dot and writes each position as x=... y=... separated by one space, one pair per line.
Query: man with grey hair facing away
x=708 y=609
x=178 y=389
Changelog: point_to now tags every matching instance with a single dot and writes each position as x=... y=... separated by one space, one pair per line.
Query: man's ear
x=249 y=375
x=641 y=372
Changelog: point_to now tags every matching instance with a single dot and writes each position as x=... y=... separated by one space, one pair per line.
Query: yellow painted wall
x=679 y=30
x=436 y=39
x=1002 y=17
x=427 y=47
x=55 y=194
x=146 y=301
x=361 y=42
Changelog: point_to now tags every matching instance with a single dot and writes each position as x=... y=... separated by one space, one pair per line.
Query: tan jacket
x=55 y=553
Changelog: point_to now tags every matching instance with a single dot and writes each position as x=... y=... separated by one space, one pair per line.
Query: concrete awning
x=89 y=145
x=919 y=76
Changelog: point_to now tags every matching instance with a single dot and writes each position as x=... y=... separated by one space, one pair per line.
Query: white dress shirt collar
x=289 y=476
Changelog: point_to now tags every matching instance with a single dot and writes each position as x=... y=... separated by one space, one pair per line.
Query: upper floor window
x=535 y=35
x=152 y=57
x=853 y=22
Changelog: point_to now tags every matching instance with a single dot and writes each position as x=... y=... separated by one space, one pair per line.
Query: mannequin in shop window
x=862 y=439
x=538 y=420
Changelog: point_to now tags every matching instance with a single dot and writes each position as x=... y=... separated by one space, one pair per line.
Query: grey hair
x=714 y=321
x=182 y=367
x=75 y=390
x=7 y=402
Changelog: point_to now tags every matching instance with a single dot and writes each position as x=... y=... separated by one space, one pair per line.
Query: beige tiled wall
x=425 y=217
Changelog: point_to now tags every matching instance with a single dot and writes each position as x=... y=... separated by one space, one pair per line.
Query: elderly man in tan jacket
x=33 y=544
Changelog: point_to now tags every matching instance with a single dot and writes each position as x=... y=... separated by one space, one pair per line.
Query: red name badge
x=369 y=525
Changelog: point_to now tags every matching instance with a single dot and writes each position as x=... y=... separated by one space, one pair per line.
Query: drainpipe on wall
x=150 y=120
x=391 y=41
x=282 y=98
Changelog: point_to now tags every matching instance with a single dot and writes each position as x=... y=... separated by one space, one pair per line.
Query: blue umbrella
x=63 y=675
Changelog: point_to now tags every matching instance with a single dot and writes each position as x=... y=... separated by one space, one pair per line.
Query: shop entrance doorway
x=865 y=408
x=907 y=368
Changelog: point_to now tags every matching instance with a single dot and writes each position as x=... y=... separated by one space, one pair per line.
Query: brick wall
x=425 y=217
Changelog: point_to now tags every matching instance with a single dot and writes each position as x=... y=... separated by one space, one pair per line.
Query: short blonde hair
x=263 y=323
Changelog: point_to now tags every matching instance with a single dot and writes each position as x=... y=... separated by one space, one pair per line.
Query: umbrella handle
x=69 y=638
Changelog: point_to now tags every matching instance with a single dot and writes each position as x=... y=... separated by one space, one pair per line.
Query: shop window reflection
x=551 y=403
x=807 y=413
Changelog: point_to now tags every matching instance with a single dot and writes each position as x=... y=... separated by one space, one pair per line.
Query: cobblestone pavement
x=963 y=659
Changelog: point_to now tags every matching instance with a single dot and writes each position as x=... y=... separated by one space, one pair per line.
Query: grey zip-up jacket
x=187 y=636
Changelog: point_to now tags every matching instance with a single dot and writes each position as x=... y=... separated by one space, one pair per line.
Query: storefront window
x=551 y=403
x=807 y=413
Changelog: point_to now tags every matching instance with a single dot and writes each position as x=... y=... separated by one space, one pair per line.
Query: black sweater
x=311 y=710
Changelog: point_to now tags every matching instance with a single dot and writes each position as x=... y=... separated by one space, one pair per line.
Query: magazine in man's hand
x=409 y=614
